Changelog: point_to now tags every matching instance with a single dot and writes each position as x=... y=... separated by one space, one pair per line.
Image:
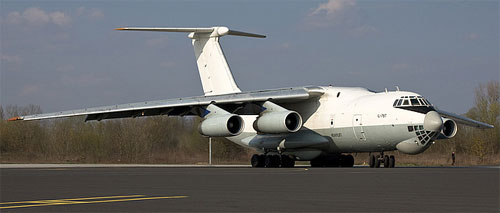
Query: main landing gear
x=388 y=161
x=272 y=161
x=333 y=161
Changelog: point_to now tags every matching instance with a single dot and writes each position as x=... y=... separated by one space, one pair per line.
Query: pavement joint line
x=86 y=200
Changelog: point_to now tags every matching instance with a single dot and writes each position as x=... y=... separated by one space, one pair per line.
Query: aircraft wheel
x=333 y=161
x=372 y=161
x=257 y=160
x=392 y=161
x=276 y=161
x=347 y=161
x=287 y=161
x=270 y=161
x=386 y=161
x=318 y=162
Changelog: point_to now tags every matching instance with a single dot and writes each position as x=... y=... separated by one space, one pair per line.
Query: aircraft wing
x=464 y=120
x=184 y=106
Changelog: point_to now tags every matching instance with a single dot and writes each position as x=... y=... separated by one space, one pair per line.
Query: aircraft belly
x=378 y=138
x=336 y=140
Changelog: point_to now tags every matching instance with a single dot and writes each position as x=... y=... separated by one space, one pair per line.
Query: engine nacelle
x=225 y=125
x=278 y=122
x=449 y=129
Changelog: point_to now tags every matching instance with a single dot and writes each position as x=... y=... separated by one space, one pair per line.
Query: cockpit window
x=411 y=101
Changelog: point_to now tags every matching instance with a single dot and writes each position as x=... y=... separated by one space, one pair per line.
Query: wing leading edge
x=184 y=106
x=464 y=120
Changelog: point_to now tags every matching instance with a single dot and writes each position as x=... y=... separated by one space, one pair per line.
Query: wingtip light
x=121 y=28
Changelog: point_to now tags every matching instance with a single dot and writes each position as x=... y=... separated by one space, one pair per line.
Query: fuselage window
x=421 y=102
x=400 y=101
x=410 y=128
x=338 y=94
x=395 y=102
x=406 y=103
x=414 y=102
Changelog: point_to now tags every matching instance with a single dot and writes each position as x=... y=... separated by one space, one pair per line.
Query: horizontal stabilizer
x=215 y=31
x=215 y=74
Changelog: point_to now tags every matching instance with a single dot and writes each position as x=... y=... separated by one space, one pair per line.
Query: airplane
x=321 y=124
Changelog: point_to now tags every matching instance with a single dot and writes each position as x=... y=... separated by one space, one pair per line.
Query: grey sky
x=65 y=55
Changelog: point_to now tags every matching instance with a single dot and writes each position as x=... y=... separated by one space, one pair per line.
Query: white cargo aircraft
x=320 y=124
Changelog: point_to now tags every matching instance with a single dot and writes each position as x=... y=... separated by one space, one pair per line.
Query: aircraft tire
x=348 y=161
x=372 y=161
x=254 y=161
x=386 y=161
x=318 y=162
x=270 y=161
x=333 y=161
x=287 y=162
x=257 y=160
x=392 y=161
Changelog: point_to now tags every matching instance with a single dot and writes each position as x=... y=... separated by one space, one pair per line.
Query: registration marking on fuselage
x=83 y=200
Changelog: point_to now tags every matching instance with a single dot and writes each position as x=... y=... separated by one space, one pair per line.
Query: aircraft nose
x=433 y=121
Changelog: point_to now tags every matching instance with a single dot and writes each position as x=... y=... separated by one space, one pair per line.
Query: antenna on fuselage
x=397 y=88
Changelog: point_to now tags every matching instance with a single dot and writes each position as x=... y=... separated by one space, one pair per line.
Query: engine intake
x=449 y=129
x=278 y=122
x=225 y=125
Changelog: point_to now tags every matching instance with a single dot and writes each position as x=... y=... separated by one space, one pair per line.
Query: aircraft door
x=357 y=125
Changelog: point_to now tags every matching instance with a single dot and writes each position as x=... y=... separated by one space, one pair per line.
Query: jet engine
x=449 y=129
x=225 y=125
x=278 y=122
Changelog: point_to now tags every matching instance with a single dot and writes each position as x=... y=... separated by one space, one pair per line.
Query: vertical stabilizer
x=215 y=74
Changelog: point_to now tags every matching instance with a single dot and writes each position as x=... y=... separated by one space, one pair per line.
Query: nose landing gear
x=388 y=161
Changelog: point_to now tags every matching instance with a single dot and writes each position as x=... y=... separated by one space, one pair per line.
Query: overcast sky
x=64 y=55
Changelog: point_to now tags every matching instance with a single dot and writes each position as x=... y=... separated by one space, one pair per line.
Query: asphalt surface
x=250 y=189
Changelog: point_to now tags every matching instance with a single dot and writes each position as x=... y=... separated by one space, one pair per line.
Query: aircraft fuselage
x=345 y=120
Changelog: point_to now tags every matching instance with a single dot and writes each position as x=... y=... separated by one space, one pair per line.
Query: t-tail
x=215 y=74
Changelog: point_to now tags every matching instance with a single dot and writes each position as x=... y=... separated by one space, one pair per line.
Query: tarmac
x=195 y=188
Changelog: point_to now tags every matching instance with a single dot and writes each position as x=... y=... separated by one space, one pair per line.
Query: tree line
x=159 y=139
x=163 y=139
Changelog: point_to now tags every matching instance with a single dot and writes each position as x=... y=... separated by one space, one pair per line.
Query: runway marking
x=84 y=200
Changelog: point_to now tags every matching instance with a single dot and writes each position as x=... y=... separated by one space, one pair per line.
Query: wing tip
x=121 y=28
x=17 y=118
